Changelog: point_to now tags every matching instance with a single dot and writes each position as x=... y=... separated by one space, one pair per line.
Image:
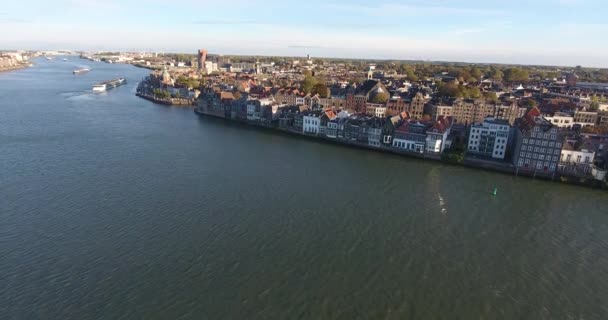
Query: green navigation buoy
x=495 y=191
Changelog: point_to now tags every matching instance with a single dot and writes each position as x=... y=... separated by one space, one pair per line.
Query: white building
x=561 y=120
x=253 y=113
x=411 y=136
x=576 y=155
x=489 y=138
x=311 y=123
x=437 y=136
x=380 y=111
x=210 y=67
x=343 y=114
x=374 y=136
x=585 y=118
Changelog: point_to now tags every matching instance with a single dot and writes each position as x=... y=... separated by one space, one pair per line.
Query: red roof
x=528 y=121
x=441 y=125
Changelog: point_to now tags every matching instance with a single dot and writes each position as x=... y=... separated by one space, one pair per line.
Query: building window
x=587 y=159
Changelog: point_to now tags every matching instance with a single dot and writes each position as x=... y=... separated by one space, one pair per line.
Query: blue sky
x=563 y=32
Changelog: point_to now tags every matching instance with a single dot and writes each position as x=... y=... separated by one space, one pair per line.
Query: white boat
x=83 y=70
x=106 y=85
x=64 y=59
x=49 y=58
x=99 y=87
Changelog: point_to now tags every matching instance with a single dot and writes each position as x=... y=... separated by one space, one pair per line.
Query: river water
x=112 y=207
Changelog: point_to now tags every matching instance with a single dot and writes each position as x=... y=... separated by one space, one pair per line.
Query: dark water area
x=112 y=207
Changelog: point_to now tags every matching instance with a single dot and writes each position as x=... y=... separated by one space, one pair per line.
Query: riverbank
x=177 y=102
x=503 y=168
x=13 y=68
x=143 y=66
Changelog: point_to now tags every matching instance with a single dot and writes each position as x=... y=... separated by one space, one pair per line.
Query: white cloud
x=396 y=9
x=94 y=4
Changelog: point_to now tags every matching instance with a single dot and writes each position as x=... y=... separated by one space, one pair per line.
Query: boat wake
x=78 y=96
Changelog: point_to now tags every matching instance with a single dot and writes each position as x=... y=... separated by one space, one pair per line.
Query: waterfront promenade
x=178 y=102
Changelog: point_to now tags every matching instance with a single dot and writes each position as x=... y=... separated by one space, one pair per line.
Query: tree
x=516 y=75
x=321 y=89
x=308 y=83
x=595 y=130
x=162 y=94
x=530 y=103
x=472 y=92
x=187 y=82
x=496 y=75
x=463 y=75
x=380 y=98
x=411 y=76
x=476 y=73
x=449 y=90
x=490 y=97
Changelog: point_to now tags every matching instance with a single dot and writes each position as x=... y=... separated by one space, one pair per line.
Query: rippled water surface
x=112 y=207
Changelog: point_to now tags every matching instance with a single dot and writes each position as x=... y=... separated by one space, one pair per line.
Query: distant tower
x=571 y=79
x=308 y=57
x=202 y=57
x=370 y=72
x=258 y=70
x=166 y=79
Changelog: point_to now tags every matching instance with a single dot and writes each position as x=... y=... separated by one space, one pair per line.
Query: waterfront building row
x=533 y=145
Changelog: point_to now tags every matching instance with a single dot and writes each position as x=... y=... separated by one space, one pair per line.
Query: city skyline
x=547 y=32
